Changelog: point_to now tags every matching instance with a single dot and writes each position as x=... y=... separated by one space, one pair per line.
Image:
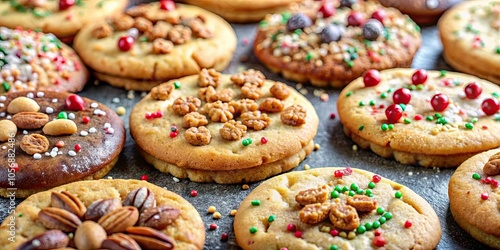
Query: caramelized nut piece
x=158 y=217
x=219 y=111
x=209 y=77
x=141 y=198
x=30 y=120
x=142 y=24
x=162 y=91
x=198 y=27
x=194 y=119
x=280 y=90
x=344 y=217
x=251 y=91
x=123 y=22
x=101 y=207
x=233 y=130
x=184 y=105
x=7 y=130
x=120 y=241
x=34 y=143
x=119 y=219
x=51 y=239
x=209 y=94
x=162 y=46
x=56 y=218
x=255 y=120
x=314 y=213
x=362 y=203
x=179 y=34
x=67 y=201
x=271 y=105
x=243 y=105
x=159 y=30
x=313 y=195
x=198 y=136
x=149 y=238
x=102 y=31
x=251 y=76
x=89 y=235
x=294 y=115
x=492 y=167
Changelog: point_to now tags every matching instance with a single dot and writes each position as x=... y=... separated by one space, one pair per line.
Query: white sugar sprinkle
x=60 y=153
x=40 y=94
x=116 y=100
x=107 y=125
x=8 y=117
x=49 y=110
x=72 y=153
x=92 y=130
x=176 y=179
x=36 y=243
x=47 y=154
x=2 y=114
x=25 y=132
x=54 y=100
x=94 y=105
x=130 y=95
x=84 y=133
x=3 y=98
x=30 y=95
x=53 y=153
x=2 y=105
x=55 y=149
x=143 y=94
x=111 y=131
x=71 y=116
x=4 y=147
x=37 y=156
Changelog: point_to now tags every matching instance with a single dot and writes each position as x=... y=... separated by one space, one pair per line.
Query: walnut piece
x=139 y=10
x=102 y=31
x=344 y=217
x=251 y=91
x=159 y=30
x=209 y=94
x=162 y=91
x=271 y=105
x=219 y=111
x=255 y=120
x=492 y=167
x=162 y=46
x=209 y=77
x=194 y=119
x=294 y=115
x=314 y=213
x=280 y=90
x=34 y=143
x=198 y=27
x=233 y=130
x=179 y=34
x=362 y=203
x=198 y=136
x=251 y=76
x=313 y=195
x=123 y=22
x=244 y=105
x=142 y=24
x=184 y=105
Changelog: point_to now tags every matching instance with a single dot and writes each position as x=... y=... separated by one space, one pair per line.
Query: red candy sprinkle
x=298 y=234
x=213 y=226
x=75 y=102
x=224 y=237
x=379 y=241
x=393 y=113
x=327 y=9
x=263 y=140
x=148 y=116
x=291 y=227
x=401 y=95
x=66 y=4
x=473 y=90
x=332 y=116
x=125 y=43
x=355 y=19
x=408 y=224
x=78 y=148
x=484 y=196
x=193 y=193
x=173 y=134
x=376 y=178
x=371 y=78
x=440 y=102
x=378 y=232
x=144 y=177
x=347 y=171
x=419 y=77
x=380 y=15
x=417 y=117
x=334 y=232
x=338 y=173
x=494 y=183
x=374 y=56
x=490 y=106
x=167 y=5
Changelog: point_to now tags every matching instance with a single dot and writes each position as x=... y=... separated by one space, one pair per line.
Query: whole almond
x=120 y=241
x=101 y=207
x=149 y=238
x=89 y=235
x=8 y=130
x=158 y=217
x=60 y=127
x=141 y=198
x=30 y=120
x=50 y=239
x=119 y=219
x=69 y=202
x=34 y=143
x=22 y=104
x=56 y=218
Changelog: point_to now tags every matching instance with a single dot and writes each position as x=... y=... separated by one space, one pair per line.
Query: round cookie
x=335 y=50
x=434 y=119
x=473 y=193
x=470 y=33
x=334 y=208
x=63 y=18
x=225 y=129
x=49 y=139
x=153 y=43
x=32 y=60
x=422 y=11
x=115 y=205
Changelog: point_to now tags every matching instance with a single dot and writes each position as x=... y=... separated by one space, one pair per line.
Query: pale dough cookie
x=336 y=44
x=474 y=197
x=63 y=18
x=156 y=42
x=228 y=129
x=434 y=119
x=163 y=218
x=422 y=11
x=470 y=33
x=334 y=208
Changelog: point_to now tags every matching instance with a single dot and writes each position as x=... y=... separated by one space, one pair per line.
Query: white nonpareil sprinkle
x=133 y=32
x=53 y=154
x=99 y=112
x=30 y=95
x=355 y=147
x=176 y=179
x=37 y=156
x=36 y=243
x=94 y=105
x=2 y=114
x=72 y=153
x=25 y=132
x=116 y=100
x=55 y=149
x=143 y=94
x=49 y=110
x=71 y=116
x=110 y=131
x=130 y=95
x=47 y=154
x=4 y=147
x=2 y=105
x=84 y=133
x=3 y=98
x=92 y=130
x=8 y=117
x=107 y=125
x=40 y=94
x=54 y=100
x=60 y=153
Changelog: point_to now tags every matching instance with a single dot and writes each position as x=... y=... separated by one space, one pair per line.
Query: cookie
x=63 y=18
x=156 y=42
x=424 y=12
x=334 y=208
x=104 y=214
x=338 y=44
x=473 y=193
x=221 y=128
x=49 y=139
x=469 y=33
x=32 y=60
x=429 y=118
x=240 y=11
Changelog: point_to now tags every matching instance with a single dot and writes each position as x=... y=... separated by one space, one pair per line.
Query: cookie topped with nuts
x=337 y=43
x=106 y=214
x=335 y=208
x=153 y=43
x=212 y=127
x=52 y=138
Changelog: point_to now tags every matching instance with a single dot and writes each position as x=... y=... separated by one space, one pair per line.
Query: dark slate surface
x=336 y=150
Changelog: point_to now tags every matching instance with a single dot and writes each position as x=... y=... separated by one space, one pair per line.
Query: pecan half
x=184 y=105
x=123 y=22
x=255 y=120
x=141 y=198
x=50 y=239
x=162 y=46
x=313 y=195
x=120 y=241
x=243 y=105
x=102 y=31
x=56 y=218
x=67 y=201
x=280 y=90
x=162 y=91
x=158 y=217
x=492 y=167
x=314 y=213
x=251 y=91
x=119 y=219
x=271 y=105
x=101 y=207
x=194 y=119
x=89 y=235
x=198 y=136
x=34 y=143
x=30 y=120
x=344 y=217
x=294 y=115
x=233 y=130
x=209 y=77
x=362 y=203
x=219 y=111
x=149 y=238
x=179 y=34
x=251 y=76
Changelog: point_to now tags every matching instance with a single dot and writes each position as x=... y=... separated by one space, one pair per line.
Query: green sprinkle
x=383 y=95
x=361 y=103
x=380 y=210
x=351 y=50
x=360 y=191
x=497 y=50
x=333 y=247
x=429 y=118
x=388 y=215
x=354 y=187
x=420 y=87
x=246 y=142
x=476 y=176
x=297 y=31
x=350 y=64
x=495 y=94
x=338 y=189
x=417 y=28
x=369 y=195
x=143 y=39
x=372 y=103
x=368 y=226
x=438 y=115
x=100 y=4
x=345 y=189
x=263 y=24
x=361 y=229
x=271 y=218
x=6 y=86
x=62 y=115
x=361 y=127
x=497 y=117
x=382 y=52
x=253 y=230
x=398 y=195
x=348 y=94
x=334 y=194
x=382 y=220
x=376 y=224
x=384 y=127
x=442 y=121
x=177 y=85
x=371 y=184
x=368 y=191
x=442 y=73
x=412 y=87
x=44 y=48
x=285 y=16
x=403 y=106
x=457 y=82
x=469 y=125
x=391 y=126
x=20 y=215
x=354 y=56
x=309 y=56
x=390 y=90
x=407 y=121
x=352 y=193
x=474 y=120
x=255 y=202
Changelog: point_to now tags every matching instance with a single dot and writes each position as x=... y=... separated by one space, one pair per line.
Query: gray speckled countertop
x=336 y=150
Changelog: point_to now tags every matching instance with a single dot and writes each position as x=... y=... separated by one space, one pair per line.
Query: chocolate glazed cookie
x=48 y=139
x=422 y=11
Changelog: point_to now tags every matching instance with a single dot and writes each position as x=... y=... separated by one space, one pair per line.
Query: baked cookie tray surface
x=336 y=150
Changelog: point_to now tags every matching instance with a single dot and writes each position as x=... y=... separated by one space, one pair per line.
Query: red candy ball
x=419 y=77
x=355 y=19
x=66 y=4
x=125 y=43
x=376 y=178
x=371 y=78
x=379 y=241
x=193 y=193
x=408 y=224
x=490 y=106
x=473 y=90
x=484 y=196
x=75 y=102
x=144 y=177
x=327 y=9
x=338 y=173
x=393 y=113
x=167 y=5
x=440 y=102
x=401 y=95
x=380 y=15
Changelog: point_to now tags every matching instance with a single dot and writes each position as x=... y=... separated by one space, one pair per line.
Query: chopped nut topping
x=244 y=105
x=162 y=91
x=198 y=27
x=209 y=77
x=362 y=203
x=251 y=91
x=137 y=11
x=198 y=136
x=251 y=76
x=179 y=34
x=123 y=22
x=280 y=90
x=233 y=130
x=313 y=195
x=271 y=105
x=344 y=217
x=255 y=120
x=184 y=105
x=314 y=213
x=142 y=24
x=294 y=115
x=194 y=119
x=162 y=46
x=102 y=31
x=159 y=30
x=492 y=167
x=209 y=94
x=219 y=111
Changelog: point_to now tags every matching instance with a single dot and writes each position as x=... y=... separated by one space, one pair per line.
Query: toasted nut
x=314 y=213
x=120 y=241
x=344 y=217
x=313 y=195
x=162 y=91
x=69 y=202
x=56 y=218
x=362 y=203
x=141 y=198
x=102 y=31
x=198 y=136
x=119 y=219
x=60 y=127
x=162 y=46
x=50 y=239
x=233 y=130
x=492 y=167
x=158 y=217
x=149 y=238
x=30 y=120
x=101 y=207
x=294 y=115
x=271 y=105
x=34 y=143
x=89 y=235
x=194 y=119
x=8 y=130
x=22 y=104
x=280 y=90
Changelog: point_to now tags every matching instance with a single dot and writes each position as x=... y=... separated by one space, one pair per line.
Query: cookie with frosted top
x=429 y=118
